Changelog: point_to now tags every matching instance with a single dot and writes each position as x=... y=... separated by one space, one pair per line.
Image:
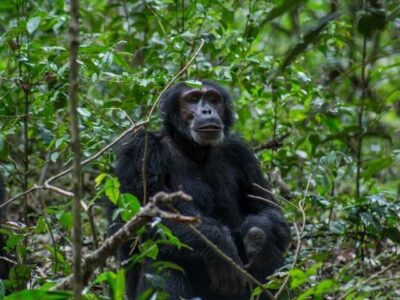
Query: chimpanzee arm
x=265 y=232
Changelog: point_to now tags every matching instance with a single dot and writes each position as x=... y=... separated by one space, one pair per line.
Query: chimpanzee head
x=203 y=114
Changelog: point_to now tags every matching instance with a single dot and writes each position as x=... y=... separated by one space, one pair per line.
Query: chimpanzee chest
x=213 y=185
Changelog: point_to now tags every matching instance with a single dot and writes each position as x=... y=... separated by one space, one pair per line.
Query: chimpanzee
x=196 y=153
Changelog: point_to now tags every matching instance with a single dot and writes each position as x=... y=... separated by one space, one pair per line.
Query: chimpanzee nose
x=206 y=110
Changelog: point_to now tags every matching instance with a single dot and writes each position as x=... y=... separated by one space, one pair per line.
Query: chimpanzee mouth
x=209 y=128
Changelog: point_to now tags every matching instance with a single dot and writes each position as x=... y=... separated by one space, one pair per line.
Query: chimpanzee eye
x=192 y=98
x=214 y=99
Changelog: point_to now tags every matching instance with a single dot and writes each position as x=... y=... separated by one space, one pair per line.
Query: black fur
x=219 y=179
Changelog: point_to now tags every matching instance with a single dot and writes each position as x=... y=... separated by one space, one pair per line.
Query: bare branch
x=76 y=147
x=32 y=189
x=6 y=259
x=272 y=144
x=101 y=152
x=265 y=200
x=57 y=190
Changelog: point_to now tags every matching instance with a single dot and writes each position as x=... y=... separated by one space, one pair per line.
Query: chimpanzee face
x=202 y=110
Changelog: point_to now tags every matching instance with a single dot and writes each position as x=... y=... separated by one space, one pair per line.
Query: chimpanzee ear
x=169 y=100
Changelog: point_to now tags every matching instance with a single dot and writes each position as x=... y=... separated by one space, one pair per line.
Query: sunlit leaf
x=33 y=24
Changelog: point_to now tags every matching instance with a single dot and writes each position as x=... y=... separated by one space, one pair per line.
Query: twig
x=99 y=153
x=360 y=134
x=169 y=197
x=19 y=196
x=301 y=205
x=266 y=200
x=93 y=226
x=8 y=260
x=272 y=144
x=275 y=195
x=144 y=169
x=57 y=190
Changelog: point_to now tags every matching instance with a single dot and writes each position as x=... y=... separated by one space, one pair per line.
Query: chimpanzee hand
x=254 y=241
x=225 y=280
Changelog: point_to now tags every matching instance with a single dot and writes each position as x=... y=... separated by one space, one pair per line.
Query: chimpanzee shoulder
x=130 y=154
x=238 y=152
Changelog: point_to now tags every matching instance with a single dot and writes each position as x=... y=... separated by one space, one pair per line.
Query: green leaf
x=2 y=289
x=392 y=233
x=325 y=286
x=111 y=188
x=54 y=156
x=66 y=220
x=84 y=112
x=376 y=165
x=33 y=24
x=39 y=294
x=162 y=265
x=148 y=250
x=116 y=281
x=152 y=251
x=130 y=206
x=194 y=84
x=298 y=278
x=99 y=179
x=278 y=11
x=14 y=240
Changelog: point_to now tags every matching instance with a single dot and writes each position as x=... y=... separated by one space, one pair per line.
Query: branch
x=101 y=152
x=32 y=189
x=272 y=144
x=98 y=257
x=76 y=147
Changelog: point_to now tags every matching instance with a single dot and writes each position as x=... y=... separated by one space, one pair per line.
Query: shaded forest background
x=317 y=95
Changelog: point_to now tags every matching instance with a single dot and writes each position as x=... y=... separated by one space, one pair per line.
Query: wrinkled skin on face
x=202 y=110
